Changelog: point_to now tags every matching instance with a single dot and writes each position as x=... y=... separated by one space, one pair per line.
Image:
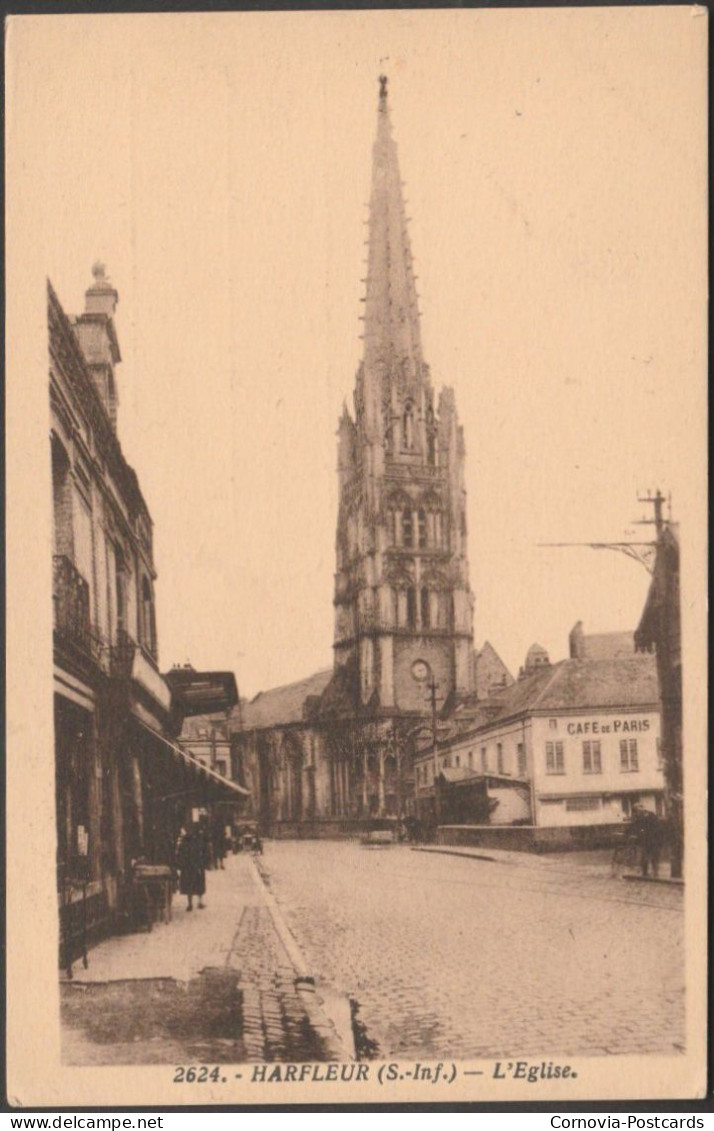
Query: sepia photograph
x=357 y=556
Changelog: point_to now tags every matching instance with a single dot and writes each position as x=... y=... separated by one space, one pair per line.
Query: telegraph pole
x=422 y=673
x=434 y=747
x=647 y=554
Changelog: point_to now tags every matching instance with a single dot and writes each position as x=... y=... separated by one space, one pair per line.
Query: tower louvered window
x=421 y=523
x=411 y=608
x=425 y=609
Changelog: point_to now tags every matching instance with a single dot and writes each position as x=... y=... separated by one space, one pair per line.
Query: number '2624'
x=198 y=1074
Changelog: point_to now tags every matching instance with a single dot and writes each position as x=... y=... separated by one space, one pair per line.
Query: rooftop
x=282 y=705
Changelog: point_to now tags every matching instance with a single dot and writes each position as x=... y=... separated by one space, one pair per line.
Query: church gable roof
x=282 y=705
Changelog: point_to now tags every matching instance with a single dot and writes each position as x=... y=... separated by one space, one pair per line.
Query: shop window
x=627 y=803
x=592 y=758
x=629 y=762
x=581 y=804
x=554 y=758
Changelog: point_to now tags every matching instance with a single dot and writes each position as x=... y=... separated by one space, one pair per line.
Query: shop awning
x=209 y=774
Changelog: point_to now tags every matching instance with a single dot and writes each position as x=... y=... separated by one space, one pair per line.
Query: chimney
x=101 y=297
x=577 y=642
x=97 y=337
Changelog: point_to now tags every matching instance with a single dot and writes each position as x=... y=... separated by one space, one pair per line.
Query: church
x=339 y=745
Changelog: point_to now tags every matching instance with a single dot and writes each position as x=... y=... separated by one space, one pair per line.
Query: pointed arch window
x=395 y=607
x=411 y=607
x=407 y=527
x=425 y=609
x=408 y=427
x=421 y=526
x=430 y=437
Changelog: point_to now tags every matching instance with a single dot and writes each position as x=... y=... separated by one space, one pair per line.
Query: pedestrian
x=219 y=845
x=649 y=830
x=191 y=860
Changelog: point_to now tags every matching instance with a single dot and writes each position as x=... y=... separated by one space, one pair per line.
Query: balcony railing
x=70 y=595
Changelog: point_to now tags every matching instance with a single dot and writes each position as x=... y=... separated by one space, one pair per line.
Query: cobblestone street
x=466 y=958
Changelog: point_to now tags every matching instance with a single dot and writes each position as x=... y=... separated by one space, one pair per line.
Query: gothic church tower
x=401 y=585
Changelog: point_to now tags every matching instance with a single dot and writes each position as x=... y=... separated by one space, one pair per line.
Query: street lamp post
x=422 y=673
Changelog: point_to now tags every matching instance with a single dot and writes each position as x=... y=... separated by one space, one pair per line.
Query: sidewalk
x=188 y=944
x=218 y=985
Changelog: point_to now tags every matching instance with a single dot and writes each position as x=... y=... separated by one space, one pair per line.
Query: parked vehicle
x=380 y=831
x=248 y=839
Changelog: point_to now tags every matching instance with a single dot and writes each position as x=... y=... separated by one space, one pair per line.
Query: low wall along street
x=515 y=838
x=530 y=838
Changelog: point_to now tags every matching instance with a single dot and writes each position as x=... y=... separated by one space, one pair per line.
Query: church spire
x=392 y=341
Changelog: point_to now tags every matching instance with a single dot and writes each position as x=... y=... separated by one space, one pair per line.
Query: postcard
x=356 y=556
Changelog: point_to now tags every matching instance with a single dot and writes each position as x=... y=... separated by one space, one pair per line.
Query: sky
x=219 y=165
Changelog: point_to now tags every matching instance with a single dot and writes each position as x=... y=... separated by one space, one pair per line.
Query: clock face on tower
x=420 y=670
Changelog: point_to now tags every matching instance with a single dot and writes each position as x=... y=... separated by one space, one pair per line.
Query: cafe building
x=123 y=785
x=572 y=744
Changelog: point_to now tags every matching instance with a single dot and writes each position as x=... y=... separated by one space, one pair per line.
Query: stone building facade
x=401 y=584
x=571 y=745
x=120 y=780
x=338 y=745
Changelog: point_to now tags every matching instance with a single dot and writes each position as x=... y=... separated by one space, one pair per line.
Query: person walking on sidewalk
x=650 y=835
x=191 y=860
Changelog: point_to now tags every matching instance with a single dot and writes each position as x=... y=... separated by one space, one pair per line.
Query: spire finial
x=383 y=80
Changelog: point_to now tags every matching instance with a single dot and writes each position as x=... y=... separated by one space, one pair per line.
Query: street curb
x=633 y=877
x=463 y=855
x=321 y=1022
